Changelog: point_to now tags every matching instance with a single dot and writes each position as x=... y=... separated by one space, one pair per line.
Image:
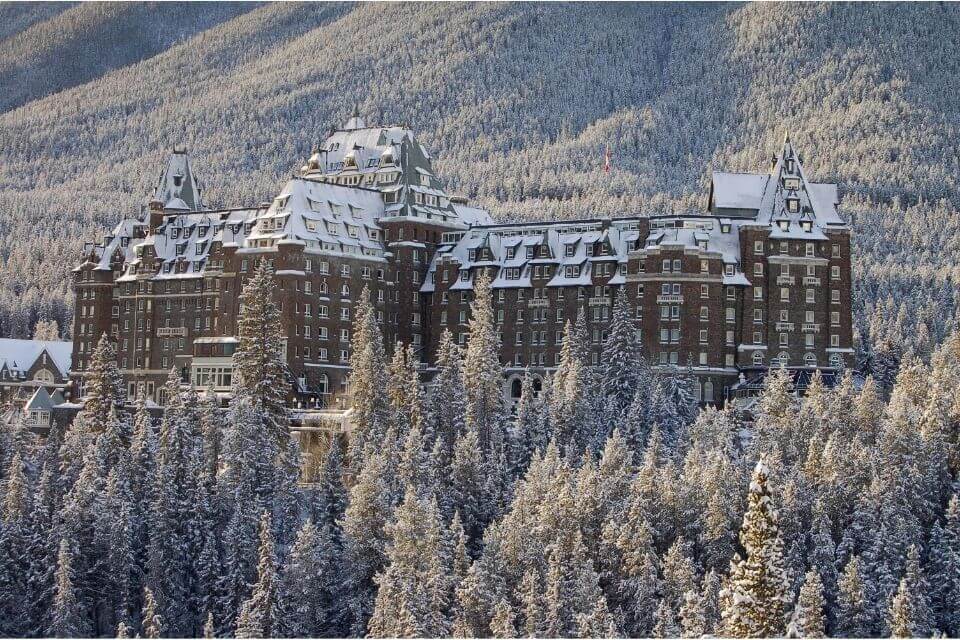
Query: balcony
x=810 y=327
x=538 y=302
x=166 y=332
x=670 y=299
x=599 y=301
x=811 y=280
x=784 y=326
x=785 y=280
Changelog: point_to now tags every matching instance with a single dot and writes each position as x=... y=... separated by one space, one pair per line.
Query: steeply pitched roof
x=19 y=355
x=39 y=401
x=177 y=187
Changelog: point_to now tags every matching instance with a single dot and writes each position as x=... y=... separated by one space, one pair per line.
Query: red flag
x=606 y=160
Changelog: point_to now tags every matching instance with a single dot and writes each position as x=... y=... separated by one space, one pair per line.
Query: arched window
x=708 y=391
x=537 y=385
x=783 y=359
x=516 y=388
x=810 y=360
x=758 y=358
x=323 y=384
x=44 y=376
x=345 y=291
x=836 y=360
x=322 y=288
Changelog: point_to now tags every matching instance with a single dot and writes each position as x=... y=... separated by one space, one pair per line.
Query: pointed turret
x=178 y=189
x=355 y=122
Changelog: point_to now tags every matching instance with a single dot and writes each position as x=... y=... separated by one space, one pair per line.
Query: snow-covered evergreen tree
x=809 y=613
x=482 y=372
x=261 y=615
x=756 y=597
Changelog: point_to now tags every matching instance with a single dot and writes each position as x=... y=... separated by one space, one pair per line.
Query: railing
x=670 y=298
x=809 y=327
x=784 y=326
x=166 y=332
x=811 y=280
x=785 y=280
x=538 y=302
x=599 y=301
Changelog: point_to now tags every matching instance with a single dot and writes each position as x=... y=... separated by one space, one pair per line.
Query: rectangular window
x=758 y=247
x=811 y=296
x=808 y=317
x=758 y=268
x=757 y=337
x=834 y=340
x=758 y=315
x=703 y=336
x=703 y=358
x=704 y=291
x=729 y=337
x=810 y=249
x=784 y=294
x=808 y=340
x=704 y=313
x=758 y=293
x=834 y=273
x=835 y=318
x=730 y=314
x=836 y=251
x=835 y=296
x=784 y=339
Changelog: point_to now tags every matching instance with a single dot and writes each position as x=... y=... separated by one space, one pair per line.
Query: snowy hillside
x=516 y=101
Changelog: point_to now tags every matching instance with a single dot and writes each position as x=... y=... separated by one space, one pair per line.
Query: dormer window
x=783 y=224
x=569 y=250
x=791 y=184
x=728 y=269
x=793 y=205
x=725 y=228
x=511 y=251
x=790 y=164
x=177 y=180
x=806 y=225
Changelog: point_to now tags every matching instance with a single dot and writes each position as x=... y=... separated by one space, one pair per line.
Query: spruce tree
x=370 y=409
x=152 y=624
x=757 y=593
x=261 y=615
x=621 y=364
x=446 y=399
x=809 y=612
x=903 y=615
x=502 y=625
x=104 y=386
x=853 y=617
x=68 y=620
x=482 y=372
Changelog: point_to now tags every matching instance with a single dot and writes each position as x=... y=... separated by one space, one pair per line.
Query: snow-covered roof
x=793 y=206
x=177 y=188
x=39 y=401
x=20 y=355
x=515 y=250
x=324 y=217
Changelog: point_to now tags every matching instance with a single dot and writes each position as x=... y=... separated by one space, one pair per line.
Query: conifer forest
x=606 y=503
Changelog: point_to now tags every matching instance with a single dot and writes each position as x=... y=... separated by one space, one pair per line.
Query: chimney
x=156 y=214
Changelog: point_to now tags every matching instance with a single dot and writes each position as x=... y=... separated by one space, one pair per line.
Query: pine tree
x=631 y=567
x=68 y=620
x=446 y=400
x=365 y=539
x=307 y=586
x=152 y=624
x=622 y=364
x=368 y=381
x=261 y=615
x=466 y=484
x=809 y=617
x=903 y=622
x=482 y=372
x=569 y=403
x=693 y=622
x=104 y=386
x=757 y=593
x=502 y=625
x=415 y=568
x=259 y=372
x=853 y=618
x=665 y=621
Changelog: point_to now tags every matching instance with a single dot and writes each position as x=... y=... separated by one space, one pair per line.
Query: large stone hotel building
x=760 y=278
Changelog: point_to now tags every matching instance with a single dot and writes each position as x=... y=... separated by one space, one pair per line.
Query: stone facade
x=759 y=279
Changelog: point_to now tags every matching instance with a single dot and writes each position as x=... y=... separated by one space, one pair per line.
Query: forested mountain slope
x=518 y=103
